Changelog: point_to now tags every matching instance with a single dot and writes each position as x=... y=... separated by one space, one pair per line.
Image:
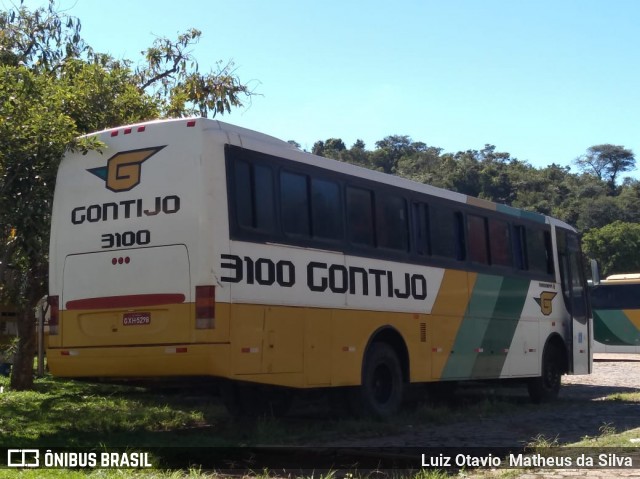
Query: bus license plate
x=136 y=319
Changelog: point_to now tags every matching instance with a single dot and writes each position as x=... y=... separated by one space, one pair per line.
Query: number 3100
x=128 y=238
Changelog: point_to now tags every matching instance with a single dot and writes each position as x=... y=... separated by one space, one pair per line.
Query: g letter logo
x=545 y=301
x=123 y=169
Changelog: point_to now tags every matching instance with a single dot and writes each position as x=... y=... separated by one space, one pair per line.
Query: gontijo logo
x=545 y=301
x=123 y=169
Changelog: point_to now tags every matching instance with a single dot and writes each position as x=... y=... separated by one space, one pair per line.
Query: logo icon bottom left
x=23 y=458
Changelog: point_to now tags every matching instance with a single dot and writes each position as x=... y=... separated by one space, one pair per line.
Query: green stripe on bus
x=502 y=326
x=612 y=327
x=476 y=320
x=528 y=215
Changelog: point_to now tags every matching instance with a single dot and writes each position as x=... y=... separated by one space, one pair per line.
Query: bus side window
x=447 y=233
x=254 y=196
x=500 y=243
x=391 y=222
x=263 y=198
x=326 y=210
x=420 y=221
x=360 y=216
x=519 y=247
x=244 y=194
x=477 y=234
x=540 y=259
x=294 y=204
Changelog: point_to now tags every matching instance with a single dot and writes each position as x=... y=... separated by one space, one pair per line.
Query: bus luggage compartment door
x=125 y=297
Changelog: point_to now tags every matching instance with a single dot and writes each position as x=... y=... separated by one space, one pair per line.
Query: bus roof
x=251 y=139
x=622 y=278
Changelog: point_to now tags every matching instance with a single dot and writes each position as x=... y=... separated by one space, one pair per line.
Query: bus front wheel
x=546 y=387
x=382 y=388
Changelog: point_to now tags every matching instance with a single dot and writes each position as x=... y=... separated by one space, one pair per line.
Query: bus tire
x=382 y=389
x=546 y=387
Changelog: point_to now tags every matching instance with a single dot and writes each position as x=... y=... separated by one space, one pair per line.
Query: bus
x=616 y=314
x=194 y=248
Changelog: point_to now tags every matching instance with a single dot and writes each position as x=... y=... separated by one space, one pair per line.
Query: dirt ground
x=579 y=412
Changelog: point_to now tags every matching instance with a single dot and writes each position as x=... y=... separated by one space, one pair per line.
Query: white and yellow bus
x=616 y=314
x=197 y=248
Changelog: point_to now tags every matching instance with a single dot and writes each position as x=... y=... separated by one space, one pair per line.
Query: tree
x=614 y=246
x=28 y=169
x=53 y=87
x=606 y=162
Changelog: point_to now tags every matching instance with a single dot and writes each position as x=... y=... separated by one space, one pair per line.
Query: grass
x=67 y=413
x=64 y=413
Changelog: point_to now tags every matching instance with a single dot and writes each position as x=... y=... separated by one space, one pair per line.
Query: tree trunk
x=22 y=370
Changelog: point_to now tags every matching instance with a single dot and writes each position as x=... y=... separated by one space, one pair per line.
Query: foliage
x=606 y=162
x=590 y=200
x=615 y=247
x=171 y=76
x=54 y=87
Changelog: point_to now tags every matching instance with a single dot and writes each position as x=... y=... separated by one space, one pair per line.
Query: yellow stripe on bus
x=447 y=315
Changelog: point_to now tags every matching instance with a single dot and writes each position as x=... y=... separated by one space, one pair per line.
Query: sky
x=542 y=80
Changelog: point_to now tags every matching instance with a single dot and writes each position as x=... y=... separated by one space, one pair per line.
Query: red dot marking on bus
x=127 y=260
x=114 y=261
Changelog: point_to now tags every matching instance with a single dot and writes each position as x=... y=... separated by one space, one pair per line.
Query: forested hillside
x=593 y=195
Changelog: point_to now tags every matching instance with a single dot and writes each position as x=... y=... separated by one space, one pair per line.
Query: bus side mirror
x=595 y=274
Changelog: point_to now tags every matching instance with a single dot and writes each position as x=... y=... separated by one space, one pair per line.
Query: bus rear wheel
x=546 y=387
x=382 y=389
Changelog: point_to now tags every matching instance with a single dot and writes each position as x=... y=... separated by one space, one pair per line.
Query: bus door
x=574 y=289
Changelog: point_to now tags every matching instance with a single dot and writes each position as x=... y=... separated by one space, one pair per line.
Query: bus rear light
x=191 y=123
x=54 y=315
x=205 y=307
